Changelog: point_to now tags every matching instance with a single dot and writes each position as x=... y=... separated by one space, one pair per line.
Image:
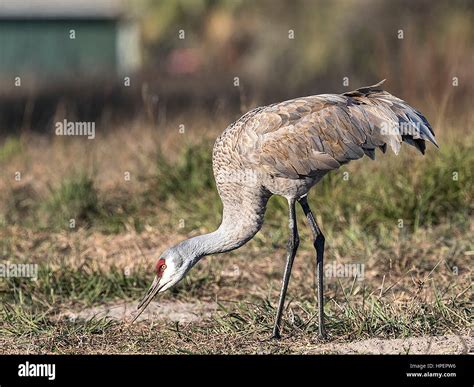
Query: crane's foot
x=276 y=334
x=323 y=336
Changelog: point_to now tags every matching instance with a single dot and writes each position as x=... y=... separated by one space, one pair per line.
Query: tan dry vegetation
x=409 y=287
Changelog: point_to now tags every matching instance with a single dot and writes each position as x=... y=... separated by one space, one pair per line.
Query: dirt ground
x=187 y=312
x=85 y=296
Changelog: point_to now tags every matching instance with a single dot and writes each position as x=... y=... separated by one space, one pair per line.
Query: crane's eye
x=160 y=266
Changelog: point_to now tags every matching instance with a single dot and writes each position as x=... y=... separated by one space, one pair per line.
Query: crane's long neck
x=241 y=220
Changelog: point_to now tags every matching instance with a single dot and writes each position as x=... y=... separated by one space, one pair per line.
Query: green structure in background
x=49 y=41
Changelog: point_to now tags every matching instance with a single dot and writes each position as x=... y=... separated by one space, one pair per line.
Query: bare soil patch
x=184 y=312
x=446 y=345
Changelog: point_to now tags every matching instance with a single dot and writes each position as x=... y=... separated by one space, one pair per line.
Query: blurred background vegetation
x=161 y=79
x=186 y=53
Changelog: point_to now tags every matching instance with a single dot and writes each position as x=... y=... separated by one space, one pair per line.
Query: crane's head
x=169 y=270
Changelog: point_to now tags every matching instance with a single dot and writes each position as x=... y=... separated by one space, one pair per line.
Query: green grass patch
x=10 y=148
x=191 y=173
x=84 y=285
x=376 y=195
x=22 y=322
x=77 y=203
x=352 y=316
x=74 y=203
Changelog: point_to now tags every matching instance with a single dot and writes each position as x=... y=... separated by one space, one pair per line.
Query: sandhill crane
x=285 y=149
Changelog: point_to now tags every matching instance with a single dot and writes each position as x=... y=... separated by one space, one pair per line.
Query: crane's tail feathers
x=394 y=121
x=411 y=127
x=422 y=130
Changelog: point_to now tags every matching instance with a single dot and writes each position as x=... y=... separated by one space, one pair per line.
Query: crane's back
x=287 y=147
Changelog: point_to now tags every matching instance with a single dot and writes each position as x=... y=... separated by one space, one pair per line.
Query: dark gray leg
x=293 y=244
x=319 y=246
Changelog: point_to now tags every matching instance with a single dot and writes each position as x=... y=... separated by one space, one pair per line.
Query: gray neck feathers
x=239 y=225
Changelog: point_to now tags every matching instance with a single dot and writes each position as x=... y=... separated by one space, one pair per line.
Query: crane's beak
x=152 y=292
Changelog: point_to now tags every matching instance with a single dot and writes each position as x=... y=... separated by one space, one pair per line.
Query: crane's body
x=285 y=149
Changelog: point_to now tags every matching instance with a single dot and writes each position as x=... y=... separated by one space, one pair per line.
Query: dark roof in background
x=62 y=9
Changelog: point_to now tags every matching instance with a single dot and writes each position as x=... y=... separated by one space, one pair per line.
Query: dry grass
x=417 y=279
x=409 y=290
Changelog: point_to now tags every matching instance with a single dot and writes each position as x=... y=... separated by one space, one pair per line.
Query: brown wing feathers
x=306 y=135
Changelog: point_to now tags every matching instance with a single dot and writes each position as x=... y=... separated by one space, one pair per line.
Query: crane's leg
x=319 y=246
x=293 y=244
